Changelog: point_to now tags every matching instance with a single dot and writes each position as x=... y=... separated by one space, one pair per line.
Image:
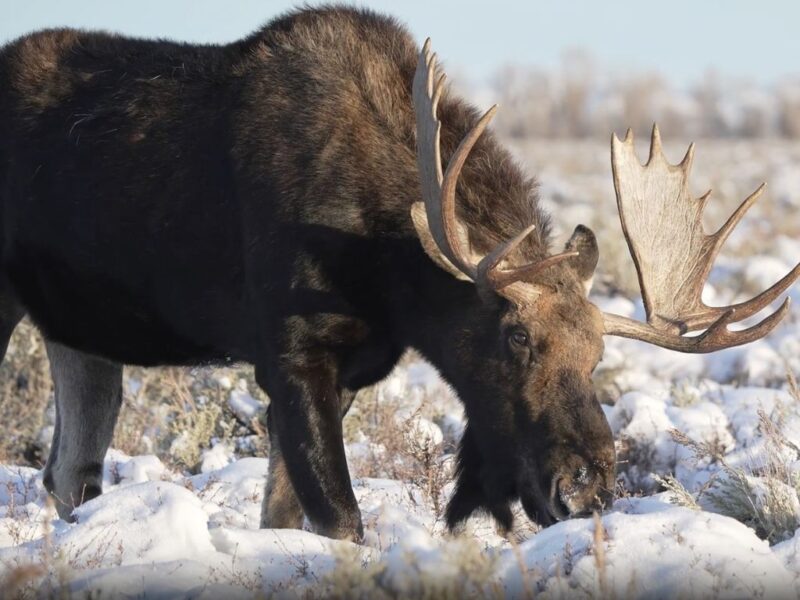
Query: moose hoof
x=351 y=530
x=68 y=497
x=348 y=535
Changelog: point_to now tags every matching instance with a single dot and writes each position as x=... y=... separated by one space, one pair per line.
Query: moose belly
x=153 y=312
x=112 y=255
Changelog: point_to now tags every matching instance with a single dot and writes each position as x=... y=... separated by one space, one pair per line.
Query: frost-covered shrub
x=459 y=569
x=763 y=493
x=407 y=428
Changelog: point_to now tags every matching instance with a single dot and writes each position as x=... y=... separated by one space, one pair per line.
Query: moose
x=314 y=200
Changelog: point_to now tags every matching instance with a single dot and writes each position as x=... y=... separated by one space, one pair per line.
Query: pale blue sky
x=757 y=40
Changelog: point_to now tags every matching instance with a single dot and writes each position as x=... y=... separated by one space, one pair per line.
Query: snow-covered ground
x=709 y=450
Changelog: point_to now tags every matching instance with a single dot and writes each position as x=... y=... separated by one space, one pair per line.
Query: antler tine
x=494 y=278
x=497 y=279
x=489 y=262
x=716 y=337
x=688 y=160
x=449 y=186
x=439 y=209
x=747 y=308
x=673 y=256
x=719 y=337
x=723 y=232
x=656 y=149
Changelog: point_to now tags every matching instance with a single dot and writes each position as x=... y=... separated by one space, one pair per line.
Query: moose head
x=525 y=349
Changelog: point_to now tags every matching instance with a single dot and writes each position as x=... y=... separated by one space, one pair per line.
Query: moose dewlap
x=314 y=200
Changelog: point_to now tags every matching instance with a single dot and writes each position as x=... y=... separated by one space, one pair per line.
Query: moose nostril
x=570 y=493
x=558 y=507
x=578 y=494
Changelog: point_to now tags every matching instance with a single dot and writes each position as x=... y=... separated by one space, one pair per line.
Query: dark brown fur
x=170 y=203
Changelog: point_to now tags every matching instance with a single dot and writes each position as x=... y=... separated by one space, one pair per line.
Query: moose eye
x=519 y=338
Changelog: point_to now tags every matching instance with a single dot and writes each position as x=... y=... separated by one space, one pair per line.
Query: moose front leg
x=281 y=508
x=307 y=459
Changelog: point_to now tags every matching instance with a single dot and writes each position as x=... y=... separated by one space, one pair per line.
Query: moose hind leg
x=88 y=394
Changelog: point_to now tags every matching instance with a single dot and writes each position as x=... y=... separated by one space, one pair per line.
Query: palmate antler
x=673 y=255
x=439 y=192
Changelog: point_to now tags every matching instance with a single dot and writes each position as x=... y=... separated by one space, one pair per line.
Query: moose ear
x=420 y=218
x=584 y=241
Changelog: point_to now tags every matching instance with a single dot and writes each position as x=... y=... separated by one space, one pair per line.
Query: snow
x=650 y=549
x=243 y=405
x=216 y=457
x=157 y=532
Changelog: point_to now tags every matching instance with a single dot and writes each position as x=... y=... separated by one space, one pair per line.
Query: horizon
x=738 y=40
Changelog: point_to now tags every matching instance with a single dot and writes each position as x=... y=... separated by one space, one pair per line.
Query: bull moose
x=281 y=201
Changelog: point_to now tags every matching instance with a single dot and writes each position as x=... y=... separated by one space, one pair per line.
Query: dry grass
x=159 y=407
x=599 y=541
x=400 y=448
x=26 y=393
x=680 y=495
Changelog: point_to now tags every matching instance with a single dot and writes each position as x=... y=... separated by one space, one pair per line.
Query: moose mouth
x=539 y=507
x=547 y=509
